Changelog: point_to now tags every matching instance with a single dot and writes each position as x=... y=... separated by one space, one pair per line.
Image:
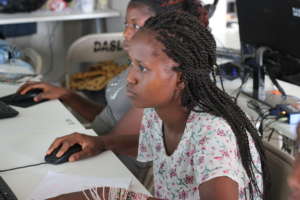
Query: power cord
x=26 y=166
x=252 y=104
x=244 y=79
x=261 y=124
x=263 y=114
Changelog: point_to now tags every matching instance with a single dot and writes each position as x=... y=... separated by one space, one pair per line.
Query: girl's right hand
x=49 y=91
x=91 y=145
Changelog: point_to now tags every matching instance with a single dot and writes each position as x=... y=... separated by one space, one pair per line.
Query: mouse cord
x=11 y=169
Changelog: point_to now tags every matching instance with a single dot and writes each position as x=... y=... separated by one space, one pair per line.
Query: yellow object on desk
x=96 y=77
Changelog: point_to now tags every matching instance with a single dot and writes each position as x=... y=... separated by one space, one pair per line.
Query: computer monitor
x=274 y=24
x=271 y=23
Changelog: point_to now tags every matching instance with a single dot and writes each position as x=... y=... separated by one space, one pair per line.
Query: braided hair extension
x=193 y=47
x=193 y=7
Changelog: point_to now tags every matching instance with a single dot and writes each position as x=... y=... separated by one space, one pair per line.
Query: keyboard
x=6 y=111
x=5 y=192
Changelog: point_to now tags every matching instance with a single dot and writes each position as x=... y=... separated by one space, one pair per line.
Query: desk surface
x=282 y=127
x=46 y=16
x=106 y=165
x=47 y=117
x=25 y=139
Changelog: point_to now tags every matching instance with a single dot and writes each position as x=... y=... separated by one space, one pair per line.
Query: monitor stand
x=258 y=90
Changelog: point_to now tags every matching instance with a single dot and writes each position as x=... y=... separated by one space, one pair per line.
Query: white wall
x=218 y=23
x=116 y=24
x=224 y=36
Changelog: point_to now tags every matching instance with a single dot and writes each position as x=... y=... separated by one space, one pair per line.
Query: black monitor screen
x=272 y=23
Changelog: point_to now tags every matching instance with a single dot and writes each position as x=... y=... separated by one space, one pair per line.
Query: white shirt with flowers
x=207 y=150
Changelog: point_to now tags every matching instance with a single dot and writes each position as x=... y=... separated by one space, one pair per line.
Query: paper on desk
x=56 y=184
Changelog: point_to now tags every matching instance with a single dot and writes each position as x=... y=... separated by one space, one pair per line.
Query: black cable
x=271 y=134
x=274 y=81
x=252 y=104
x=262 y=115
x=261 y=125
x=244 y=79
x=33 y=165
x=220 y=77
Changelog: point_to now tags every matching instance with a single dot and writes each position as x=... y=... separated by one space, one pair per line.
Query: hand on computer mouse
x=49 y=91
x=91 y=145
x=53 y=159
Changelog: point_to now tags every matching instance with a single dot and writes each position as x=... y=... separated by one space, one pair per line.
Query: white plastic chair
x=94 y=48
x=33 y=58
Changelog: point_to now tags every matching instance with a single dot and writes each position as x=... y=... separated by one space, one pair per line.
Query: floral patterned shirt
x=207 y=150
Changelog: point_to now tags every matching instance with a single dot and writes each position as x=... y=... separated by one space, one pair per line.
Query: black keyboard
x=6 y=111
x=5 y=192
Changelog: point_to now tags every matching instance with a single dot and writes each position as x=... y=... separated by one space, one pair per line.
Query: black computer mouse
x=17 y=97
x=23 y=100
x=52 y=159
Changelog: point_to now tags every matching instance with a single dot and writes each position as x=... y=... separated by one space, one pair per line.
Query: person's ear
x=180 y=84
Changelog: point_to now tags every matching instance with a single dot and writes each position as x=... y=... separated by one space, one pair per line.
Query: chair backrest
x=94 y=48
x=33 y=58
x=280 y=164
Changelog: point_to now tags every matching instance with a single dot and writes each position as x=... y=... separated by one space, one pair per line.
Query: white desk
x=106 y=165
x=282 y=127
x=46 y=16
x=47 y=117
x=25 y=139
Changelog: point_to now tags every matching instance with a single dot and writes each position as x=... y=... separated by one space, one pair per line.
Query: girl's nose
x=131 y=77
x=128 y=33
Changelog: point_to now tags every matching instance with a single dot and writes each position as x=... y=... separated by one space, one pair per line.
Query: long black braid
x=193 y=47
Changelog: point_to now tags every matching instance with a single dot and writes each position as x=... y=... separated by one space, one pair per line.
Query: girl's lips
x=130 y=92
x=125 y=45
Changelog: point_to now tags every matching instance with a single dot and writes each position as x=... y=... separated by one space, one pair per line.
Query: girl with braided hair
x=118 y=116
x=202 y=145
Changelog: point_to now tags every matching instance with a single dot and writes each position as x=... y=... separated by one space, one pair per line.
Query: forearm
x=130 y=123
x=84 y=107
x=123 y=144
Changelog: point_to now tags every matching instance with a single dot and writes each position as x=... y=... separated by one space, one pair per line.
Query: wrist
x=102 y=143
x=66 y=95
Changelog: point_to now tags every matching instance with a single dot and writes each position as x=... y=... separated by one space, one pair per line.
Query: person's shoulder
x=208 y=119
x=209 y=126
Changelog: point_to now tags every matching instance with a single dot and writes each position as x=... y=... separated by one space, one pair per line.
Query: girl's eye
x=136 y=27
x=142 y=68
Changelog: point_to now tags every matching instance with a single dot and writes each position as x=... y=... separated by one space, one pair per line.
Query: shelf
x=47 y=16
